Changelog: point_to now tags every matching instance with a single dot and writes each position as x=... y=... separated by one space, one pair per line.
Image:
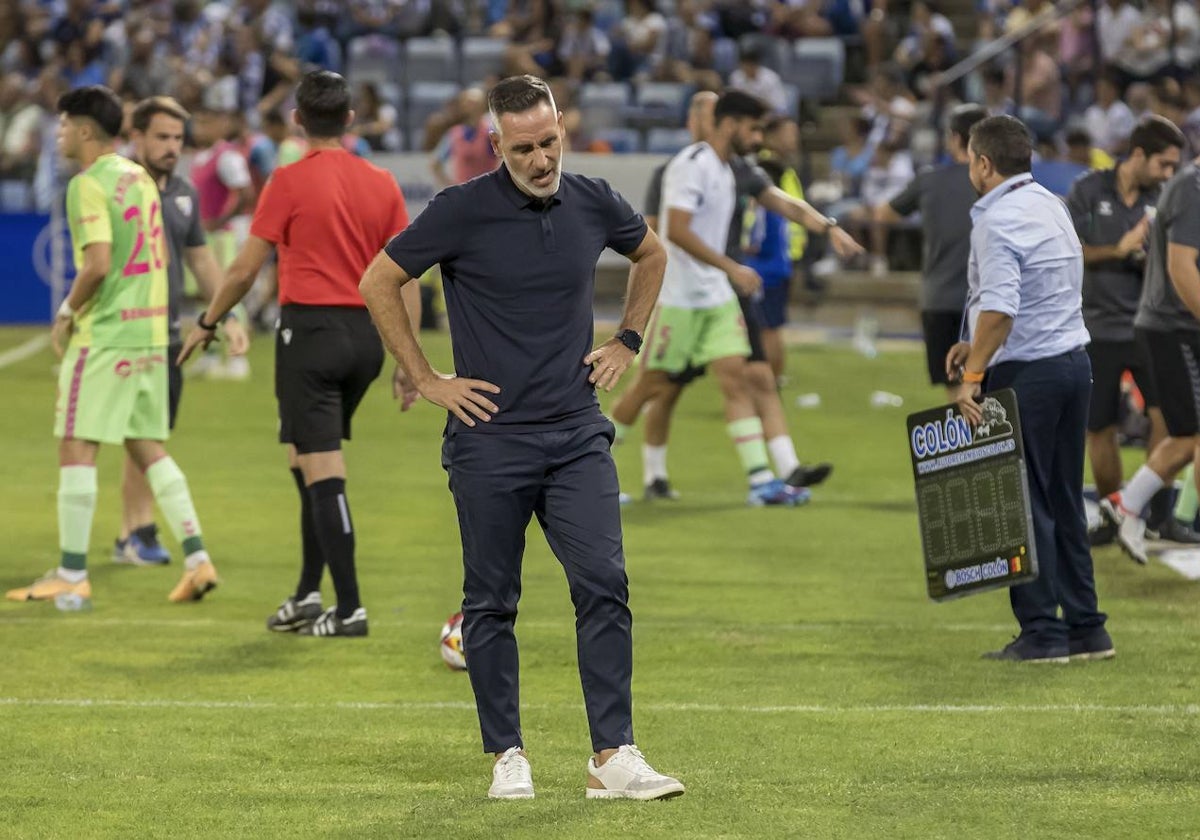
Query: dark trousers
x=1053 y=396
x=566 y=479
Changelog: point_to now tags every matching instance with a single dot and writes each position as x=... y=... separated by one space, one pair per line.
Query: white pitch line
x=22 y=352
x=1189 y=710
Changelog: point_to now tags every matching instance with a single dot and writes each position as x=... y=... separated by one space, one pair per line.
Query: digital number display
x=972 y=498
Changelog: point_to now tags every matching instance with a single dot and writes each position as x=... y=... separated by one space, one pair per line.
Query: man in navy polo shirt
x=525 y=436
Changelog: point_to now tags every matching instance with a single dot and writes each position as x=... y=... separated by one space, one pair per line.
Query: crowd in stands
x=621 y=69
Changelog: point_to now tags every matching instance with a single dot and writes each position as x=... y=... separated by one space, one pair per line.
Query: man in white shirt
x=1110 y=121
x=757 y=80
x=1114 y=25
x=698 y=320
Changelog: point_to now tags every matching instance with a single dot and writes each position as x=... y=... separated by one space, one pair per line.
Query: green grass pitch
x=788 y=665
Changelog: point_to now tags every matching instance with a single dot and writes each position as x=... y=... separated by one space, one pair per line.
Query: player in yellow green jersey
x=111 y=333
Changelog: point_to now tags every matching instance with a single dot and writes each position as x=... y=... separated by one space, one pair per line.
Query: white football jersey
x=699 y=182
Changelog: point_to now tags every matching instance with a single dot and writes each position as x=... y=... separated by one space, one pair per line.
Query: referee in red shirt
x=328 y=215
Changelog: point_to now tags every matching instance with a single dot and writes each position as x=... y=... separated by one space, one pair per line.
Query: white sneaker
x=1131 y=529
x=511 y=776
x=627 y=776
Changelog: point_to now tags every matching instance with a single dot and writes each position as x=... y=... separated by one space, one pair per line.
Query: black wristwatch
x=207 y=327
x=630 y=339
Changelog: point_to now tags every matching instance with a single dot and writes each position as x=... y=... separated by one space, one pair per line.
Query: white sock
x=760 y=477
x=195 y=559
x=1136 y=495
x=783 y=454
x=72 y=575
x=654 y=463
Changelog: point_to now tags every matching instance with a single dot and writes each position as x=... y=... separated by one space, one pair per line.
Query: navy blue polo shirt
x=519 y=275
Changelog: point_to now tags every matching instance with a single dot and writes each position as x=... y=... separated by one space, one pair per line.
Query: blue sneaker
x=779 y=493
x=144 y=550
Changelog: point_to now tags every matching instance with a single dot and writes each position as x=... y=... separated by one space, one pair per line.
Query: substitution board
x=972 y=498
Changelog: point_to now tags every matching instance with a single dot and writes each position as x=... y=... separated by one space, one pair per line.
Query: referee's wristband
x=972 y=377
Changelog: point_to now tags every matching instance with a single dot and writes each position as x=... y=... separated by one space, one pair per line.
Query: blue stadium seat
x=818 y=67
x=793 y=100
x=774 y=51
x=724 y=56
x=667 y=141
x=622 y=141
x=424 y=99
x=430 y=60
x=481 y=58
x=602 y=104
x=373 y=58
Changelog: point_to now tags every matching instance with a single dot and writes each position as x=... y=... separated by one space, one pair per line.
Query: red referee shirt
x=328 y=215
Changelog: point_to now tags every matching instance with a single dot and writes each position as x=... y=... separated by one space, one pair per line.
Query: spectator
x=465 y=150
x=1148 y=52
x=1025 y=11
x=926 y=24
x=1139 y=96
x=368 y=17
x=1109 y=121
x=145 y=72
x=376 y=119
x=1076 y=48
x=760 y=81
x=20 y=130
x=1191 y=123
x=535 y=34
x=584 y=48
x=993 y=16
x=848 y=164
x=937 y=56
x=887 y=103
x=639 y=41
x=1115 y=24
x=1041 y=94
x=864 y=18
x=1052 y=170
x=995 y=91
x=891 y=171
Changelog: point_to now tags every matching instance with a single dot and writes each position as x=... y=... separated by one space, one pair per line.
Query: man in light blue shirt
x=1024 y=311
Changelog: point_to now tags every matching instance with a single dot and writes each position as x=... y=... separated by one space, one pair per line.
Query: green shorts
x=112 y=394
x=681 y=338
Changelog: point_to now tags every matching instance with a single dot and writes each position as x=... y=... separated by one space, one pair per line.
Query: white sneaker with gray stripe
x=511 y=776
x=626 y=775
x=294 y=615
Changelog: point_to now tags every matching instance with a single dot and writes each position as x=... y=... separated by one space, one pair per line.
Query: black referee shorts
x=1175 y=367
x=325 y=359
x=941 y=329
x=1110 y=360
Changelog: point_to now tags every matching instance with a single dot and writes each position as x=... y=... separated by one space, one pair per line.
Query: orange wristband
x=971 y=377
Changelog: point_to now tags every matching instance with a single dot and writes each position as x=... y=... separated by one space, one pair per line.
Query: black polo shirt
x=181 y=223
x=944 y=196
x=1177 y=223
x=519 y=275
x=1111 y=289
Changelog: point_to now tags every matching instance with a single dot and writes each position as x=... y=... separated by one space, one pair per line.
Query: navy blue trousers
x=566 y=479
x=1053 y=396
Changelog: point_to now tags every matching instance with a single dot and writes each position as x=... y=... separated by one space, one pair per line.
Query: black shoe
x=294 y=615
x=1172 y=530
x=807 y=475
x=660 y=488
x=1021 y=649
x=1103 y=534
x=330 y=625
x=1097 y=645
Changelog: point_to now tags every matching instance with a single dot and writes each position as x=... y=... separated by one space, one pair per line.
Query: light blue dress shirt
x=1026 y=262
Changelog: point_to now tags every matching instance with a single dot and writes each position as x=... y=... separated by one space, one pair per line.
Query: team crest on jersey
x=287 y=335
x=1105 y=208
x=184 y=204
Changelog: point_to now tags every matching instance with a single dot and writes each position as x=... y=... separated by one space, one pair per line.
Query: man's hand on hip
x=609 y=361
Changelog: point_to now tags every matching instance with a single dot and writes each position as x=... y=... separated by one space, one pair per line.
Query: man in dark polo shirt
x=525 y=436
x=157 y=134
x=1112 y=210
x=327 y=215
x=944 y=196
x=1167 y=321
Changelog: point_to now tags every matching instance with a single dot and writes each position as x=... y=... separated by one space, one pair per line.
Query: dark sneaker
x=1022 y=650
x=1103 y=534
x=1172 y=530
x=294 y=615
x=1098 y=645
x=660 y=488
x=328 y=624
x=809 y=475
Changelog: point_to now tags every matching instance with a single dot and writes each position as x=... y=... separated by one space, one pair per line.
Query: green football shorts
x=681 y=338
x=112 y=394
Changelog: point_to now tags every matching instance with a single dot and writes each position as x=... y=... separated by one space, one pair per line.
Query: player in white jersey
x=698 y=321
